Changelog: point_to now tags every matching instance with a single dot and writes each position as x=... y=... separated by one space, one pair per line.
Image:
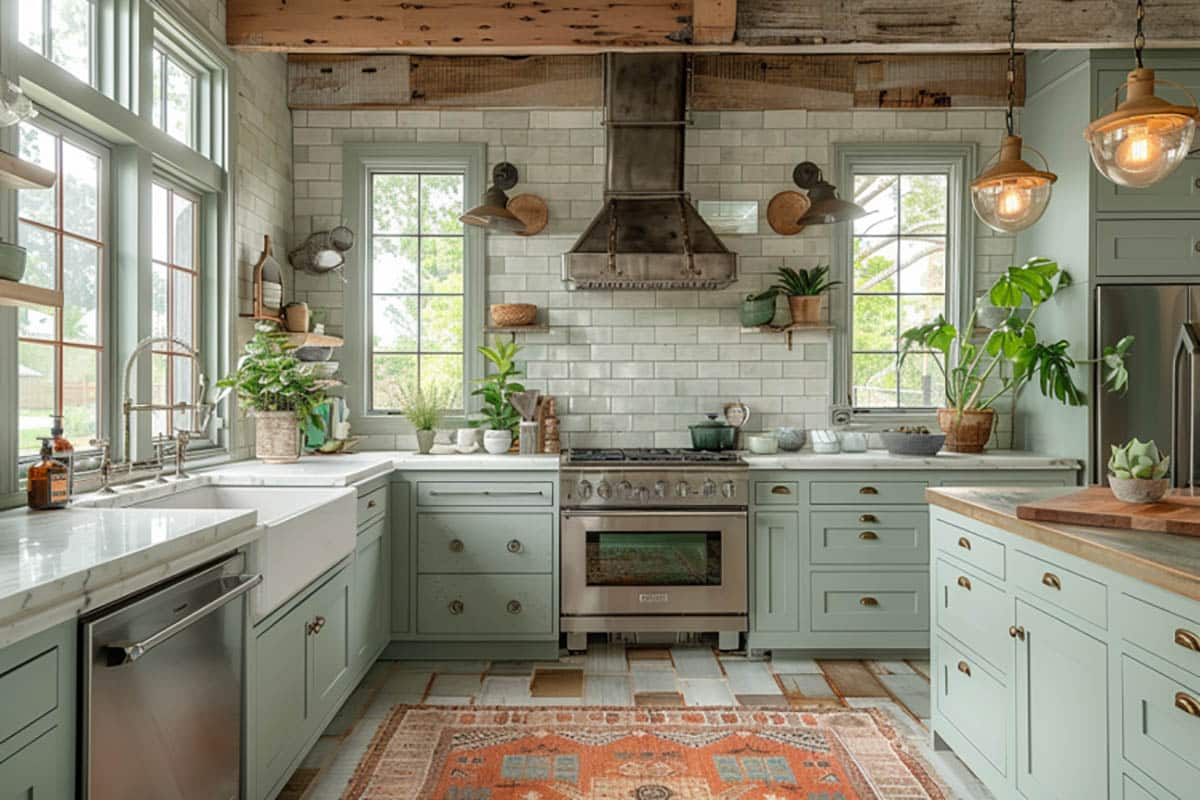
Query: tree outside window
x=62 y=31
x=174 y=98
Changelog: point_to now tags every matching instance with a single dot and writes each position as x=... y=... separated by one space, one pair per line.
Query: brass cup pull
x=513 y=546
x=964 y=543
x=869 y=536
x=868 y=518
x=964 y=668
x=456 y=607
x=1187 y=640
x=370 y=504
x=1187 y=704
x=514 y=607
x=964 y=582
x=780 y=490
x=1051 y=580
x=456 y=545
x=868 y=490
x=1016 y=632
x=869 y=602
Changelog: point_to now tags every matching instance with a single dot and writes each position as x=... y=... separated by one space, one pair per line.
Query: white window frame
x=360 y=162
x=47 y=49
x=958 y=162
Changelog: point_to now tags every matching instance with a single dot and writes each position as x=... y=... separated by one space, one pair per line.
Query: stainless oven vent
x=647 y=235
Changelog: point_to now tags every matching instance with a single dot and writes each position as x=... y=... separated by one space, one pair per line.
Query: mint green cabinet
x=328 y=645
x=37 y=771
x=400 y=557
x=1148 y=247
x=1062 y=709
x=1161 y=727
x=370 y=625
x=776 y=571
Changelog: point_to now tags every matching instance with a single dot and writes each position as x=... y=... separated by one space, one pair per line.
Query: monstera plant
x=973 y=372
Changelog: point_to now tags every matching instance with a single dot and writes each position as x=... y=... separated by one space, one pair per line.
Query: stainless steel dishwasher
x=161 y=697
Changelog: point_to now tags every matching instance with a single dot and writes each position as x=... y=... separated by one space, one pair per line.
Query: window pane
x=181 y=387
x=393 y=376
x=443 y=373
x=162 y=229
x=158 y=300
x=874 y=379
x=394 y=322
x=442 y=265
x=394 y=200
x=918 y=309
x=875 y=264
x=923 y=265
x=923 y=204
x=875 y=322
x=39 y=147
x=185 y=230
x=880 y=196
x=71 y=37
x=394 y=264
x=40 y=255
x=81 y=391
x=156 y=111
x=81 y=191
x=182 y=306
x=442 y=324
x=36 y=394
x=158 y=392
x=441 y=204
x=921 y=382
x=81 y=272
x=31 y=34
x=179 y=87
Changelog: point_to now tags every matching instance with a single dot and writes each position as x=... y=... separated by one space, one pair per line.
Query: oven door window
x=654 y=558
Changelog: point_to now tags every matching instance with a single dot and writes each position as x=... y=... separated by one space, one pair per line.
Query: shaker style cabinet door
x=776 y=571
x=369 y=618
x=328 y=645
x=1062 y=709
x=1154 y=248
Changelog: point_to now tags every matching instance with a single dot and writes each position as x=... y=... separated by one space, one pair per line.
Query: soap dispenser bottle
x=46 y=482
x=64 y=451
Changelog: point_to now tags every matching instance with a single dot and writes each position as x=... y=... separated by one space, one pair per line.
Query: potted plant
x=1137 y=472
x=972 y=372
x=270 y=381
x=804 y=288
x=424 y=410
x=498 y=413
x=758 y=309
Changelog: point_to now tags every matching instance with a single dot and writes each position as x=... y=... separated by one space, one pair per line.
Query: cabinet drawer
x=463 y=493
x=974 y=612
x=372 y=505
x=1161 y=734
x=973 y=702
x=978 y=551
x=1083 y=597
x=37 y=771
x=1164 y=633
x=495 y=605
x=28 y=692
x=873 y=537
x=466 y=542
x=870 y=601
x=1131 y=790
x=1136 y=248
x=865 y=492
x=777 y=493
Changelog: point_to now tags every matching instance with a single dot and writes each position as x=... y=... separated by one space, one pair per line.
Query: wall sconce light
x=525 y=214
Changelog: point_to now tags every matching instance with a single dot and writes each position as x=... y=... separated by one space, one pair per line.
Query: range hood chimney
x=647 y=235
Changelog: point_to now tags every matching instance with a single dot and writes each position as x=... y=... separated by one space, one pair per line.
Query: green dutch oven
x=713 y=434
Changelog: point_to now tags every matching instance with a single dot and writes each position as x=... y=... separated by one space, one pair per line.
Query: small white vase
x=497 y=442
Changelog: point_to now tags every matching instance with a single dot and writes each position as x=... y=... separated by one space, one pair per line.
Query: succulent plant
x=1137 y=459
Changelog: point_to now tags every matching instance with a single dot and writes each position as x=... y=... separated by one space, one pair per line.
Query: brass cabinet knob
x=456 y=545
x=964 y=582
x=964 y=668
x=371 y=504
x=868 y=518
x=964 y=543
x=869 y=602
x=1016 y=632
x=456 y=607
x=869 y=536
x=868 y=490
x=514 y=607
x=514 y=546
x=1051 y=580
x=1187 y=640
x=1187 y=704
x=314 y=627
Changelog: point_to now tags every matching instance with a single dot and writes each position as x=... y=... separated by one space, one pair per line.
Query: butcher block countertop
x=1165 y=560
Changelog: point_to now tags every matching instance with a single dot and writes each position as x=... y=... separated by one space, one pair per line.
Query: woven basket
x=513 y=315
x=276 y=437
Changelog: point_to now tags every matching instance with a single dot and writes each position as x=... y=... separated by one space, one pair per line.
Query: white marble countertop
x=57 y=564
x=357 y=467
x=881 y=459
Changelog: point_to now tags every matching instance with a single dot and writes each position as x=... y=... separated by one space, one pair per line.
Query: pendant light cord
x=1139 y=39
x=1012 y=62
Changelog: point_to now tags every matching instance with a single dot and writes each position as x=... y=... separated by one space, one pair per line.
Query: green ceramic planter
x=757 y=312
x=12 y=262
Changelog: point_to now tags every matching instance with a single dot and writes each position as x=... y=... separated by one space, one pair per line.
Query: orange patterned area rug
x=488 y=753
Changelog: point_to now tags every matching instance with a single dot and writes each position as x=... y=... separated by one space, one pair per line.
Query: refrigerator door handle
x=1188 y=343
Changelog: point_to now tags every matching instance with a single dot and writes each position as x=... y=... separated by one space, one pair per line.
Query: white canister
x=854 y=442
x=497 y=442
x=466 y=440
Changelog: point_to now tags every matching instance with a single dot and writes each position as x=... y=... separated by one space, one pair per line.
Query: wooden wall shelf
x=23 y=294
x=513 y=330
x=791 y=328
x=314 y=340
x=20 y=174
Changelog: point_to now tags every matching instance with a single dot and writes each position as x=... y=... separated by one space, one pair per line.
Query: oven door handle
x=569 y=513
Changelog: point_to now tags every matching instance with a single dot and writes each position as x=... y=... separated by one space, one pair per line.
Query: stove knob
x=604 y=491
x=642 y=493
x=626 y=489
x=709 y=488
x=728 y=488
x=681 y=489
x=660 y=488
x=584 y=490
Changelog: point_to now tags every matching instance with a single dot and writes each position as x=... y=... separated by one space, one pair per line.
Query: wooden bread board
x=1096 y=506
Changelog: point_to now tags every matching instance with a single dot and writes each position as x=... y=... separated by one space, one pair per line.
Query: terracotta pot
x=805 y=308
x=276 y=437
x=966 y=431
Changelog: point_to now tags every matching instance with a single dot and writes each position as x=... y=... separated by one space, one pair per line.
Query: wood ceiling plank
x=935 y=81
x=728 y=81
x=714 y=21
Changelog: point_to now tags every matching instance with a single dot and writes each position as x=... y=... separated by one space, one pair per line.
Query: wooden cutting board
x=1176 y=513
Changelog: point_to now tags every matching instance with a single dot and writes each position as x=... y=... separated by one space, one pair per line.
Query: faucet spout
x=199 y=389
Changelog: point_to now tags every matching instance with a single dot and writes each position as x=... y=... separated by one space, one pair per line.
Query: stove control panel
x=654 y=488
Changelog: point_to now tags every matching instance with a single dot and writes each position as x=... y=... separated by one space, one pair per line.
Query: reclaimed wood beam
x=714 y=21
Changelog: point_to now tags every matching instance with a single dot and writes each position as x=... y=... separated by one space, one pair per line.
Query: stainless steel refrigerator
x=1164 y=379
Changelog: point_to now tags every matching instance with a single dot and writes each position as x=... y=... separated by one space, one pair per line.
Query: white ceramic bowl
x=497 y=442
x=763 y=444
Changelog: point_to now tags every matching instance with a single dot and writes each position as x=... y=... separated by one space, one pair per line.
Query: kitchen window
x=62 y=31
x=904 y=262
x=174 y=93
x=61 y=352
x=175 y=302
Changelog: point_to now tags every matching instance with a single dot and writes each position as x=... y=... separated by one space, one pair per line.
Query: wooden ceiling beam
x=714 y=21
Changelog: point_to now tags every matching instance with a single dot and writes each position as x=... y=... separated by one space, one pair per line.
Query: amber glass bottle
x=46 y=483
x=64 y=451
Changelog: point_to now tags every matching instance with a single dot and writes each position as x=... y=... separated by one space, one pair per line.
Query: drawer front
x=974 y=612
x=777 y=493
x=1083 y=597
x=973 y=702
x=28 y=692
x=870 y=601
x=372 y=506
x=1164 y=633
x=1137 y=248
x=36 y=770
x=466 y=542
x=865 y=492
x=1131 y=790
x=485 y=604
x=978 y=551
x=1161 y=727
x=872 y=537
x=464 y=493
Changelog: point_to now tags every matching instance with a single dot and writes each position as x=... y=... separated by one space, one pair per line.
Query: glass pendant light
x=1145 y=138
x=1010 y=194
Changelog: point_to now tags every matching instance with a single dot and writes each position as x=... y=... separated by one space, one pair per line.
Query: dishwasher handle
x=118 y=654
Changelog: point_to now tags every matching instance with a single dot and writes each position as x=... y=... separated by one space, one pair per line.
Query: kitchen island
x=1057 y=649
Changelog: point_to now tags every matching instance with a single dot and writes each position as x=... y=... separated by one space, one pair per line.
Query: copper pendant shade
x=1010 y=195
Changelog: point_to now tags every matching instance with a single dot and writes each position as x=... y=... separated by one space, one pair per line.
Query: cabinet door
x=401 y=557
x=1147 y=248
x=1062 y=710
x=279 y=692
x=328 y=645
x=369 y=619
x=36 y=771
x=776 y=571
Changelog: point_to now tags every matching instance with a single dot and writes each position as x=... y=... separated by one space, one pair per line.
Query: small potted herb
x=424 y=410
x=804 y=288
x=1137 y=472
x=758 y=309
x=270 y=381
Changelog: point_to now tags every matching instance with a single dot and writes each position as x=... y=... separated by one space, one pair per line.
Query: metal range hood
x=647 y=235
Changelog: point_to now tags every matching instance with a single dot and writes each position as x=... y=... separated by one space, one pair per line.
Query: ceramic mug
x=466 y=440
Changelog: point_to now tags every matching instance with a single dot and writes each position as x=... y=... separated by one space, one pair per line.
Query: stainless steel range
x=653 y=540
